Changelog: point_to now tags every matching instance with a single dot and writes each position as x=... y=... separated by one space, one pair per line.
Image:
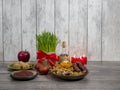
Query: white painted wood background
x=90 y=27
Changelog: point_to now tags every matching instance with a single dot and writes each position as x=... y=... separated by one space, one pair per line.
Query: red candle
x=84 y=59
x=81 y=59
x=73 y=59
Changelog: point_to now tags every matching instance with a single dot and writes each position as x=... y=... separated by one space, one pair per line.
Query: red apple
x=24 y=56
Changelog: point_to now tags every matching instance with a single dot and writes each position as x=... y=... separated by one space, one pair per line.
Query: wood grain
x=89 y=27
x=110 y=30
x=1 y=35
x=78 y=27
x=61 y=21
x=101 y=76
x=94 y=30
x=11 y=29
x=29 y=27
x=45 y=16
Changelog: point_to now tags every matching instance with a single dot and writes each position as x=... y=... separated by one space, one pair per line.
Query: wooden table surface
x=102 y=76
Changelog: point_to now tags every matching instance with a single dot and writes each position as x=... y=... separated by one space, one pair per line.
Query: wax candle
x=84 y=58
x=73 y=59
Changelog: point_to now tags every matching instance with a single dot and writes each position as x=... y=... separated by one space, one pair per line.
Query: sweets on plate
x=21 y=65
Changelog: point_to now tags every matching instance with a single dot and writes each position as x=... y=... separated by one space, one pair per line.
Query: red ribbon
x=82 y=59
x=41 y=56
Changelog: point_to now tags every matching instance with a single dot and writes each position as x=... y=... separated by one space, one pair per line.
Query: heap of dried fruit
x=68 y=68
x=78 y=67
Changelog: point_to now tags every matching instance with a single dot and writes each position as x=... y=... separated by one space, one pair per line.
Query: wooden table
x=102 y=76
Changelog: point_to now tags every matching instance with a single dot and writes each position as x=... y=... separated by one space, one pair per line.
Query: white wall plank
x=61 y=20
x=45 y=15
x=94 y=30
x=11 y=29
x=111 y=30
x=78 y=27
x=29 y=27
x=68 y=19
x=1 y=44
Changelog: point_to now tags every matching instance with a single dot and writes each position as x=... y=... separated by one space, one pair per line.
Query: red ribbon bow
x=41 y=56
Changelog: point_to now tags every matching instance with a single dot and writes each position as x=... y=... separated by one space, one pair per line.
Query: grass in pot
x=46 y=46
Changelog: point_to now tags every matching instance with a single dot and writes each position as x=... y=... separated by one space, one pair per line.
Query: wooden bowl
x=23 y=78
x=71 y=78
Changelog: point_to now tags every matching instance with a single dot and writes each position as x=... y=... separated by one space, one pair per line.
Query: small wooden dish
x=23 y=78
x=71 y=78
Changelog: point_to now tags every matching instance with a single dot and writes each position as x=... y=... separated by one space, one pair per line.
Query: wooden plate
x=23 y=78
x=67 y=77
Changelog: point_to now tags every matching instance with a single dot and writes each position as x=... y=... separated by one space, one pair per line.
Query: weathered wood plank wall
x=94 y=29
x=78 y=27
x=89 y=27
x=45 y=15
x=61 y=19
x=1 y=35
x=29 y=26
x=111 y=30
x=11 y=28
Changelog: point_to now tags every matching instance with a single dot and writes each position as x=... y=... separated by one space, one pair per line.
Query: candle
x=73 y=59
x=84 y=59
x=81 y=59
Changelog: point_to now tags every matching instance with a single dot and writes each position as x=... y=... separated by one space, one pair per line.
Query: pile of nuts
x=68 y=68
